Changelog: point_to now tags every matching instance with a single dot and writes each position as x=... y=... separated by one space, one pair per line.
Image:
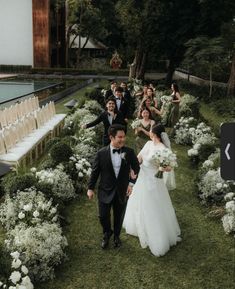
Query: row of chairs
x=25 y=134
x=11 y=114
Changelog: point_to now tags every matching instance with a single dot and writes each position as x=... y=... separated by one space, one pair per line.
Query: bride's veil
x=166 y=140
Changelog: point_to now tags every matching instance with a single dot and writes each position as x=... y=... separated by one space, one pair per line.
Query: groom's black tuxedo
x=111 y=189
x=109 y=184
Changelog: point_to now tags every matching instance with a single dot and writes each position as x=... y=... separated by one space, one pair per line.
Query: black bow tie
x=116 y=151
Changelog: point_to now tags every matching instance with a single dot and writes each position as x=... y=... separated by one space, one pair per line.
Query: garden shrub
x=12 y=182
x=5 y=264
x=60 y=152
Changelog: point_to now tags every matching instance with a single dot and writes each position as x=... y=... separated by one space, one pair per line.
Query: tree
x=138 y=19
x=228 y=35
x=207 y=53
x=83 y=20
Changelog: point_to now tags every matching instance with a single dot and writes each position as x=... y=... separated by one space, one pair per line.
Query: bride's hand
x=167 y=169
x=133 y=175
x=129 y=190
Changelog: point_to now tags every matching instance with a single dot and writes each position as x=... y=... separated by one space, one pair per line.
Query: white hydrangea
x=212 y=184
x=184 y=129
x=15 y=277
x=19 y=278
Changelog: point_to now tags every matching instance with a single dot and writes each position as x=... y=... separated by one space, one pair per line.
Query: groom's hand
x=90 y=194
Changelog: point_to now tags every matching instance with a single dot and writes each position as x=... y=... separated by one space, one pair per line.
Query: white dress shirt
x=116 y=161
x=110 y=118
x=118 y=102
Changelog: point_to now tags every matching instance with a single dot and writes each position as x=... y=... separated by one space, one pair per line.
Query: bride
x=149 y=213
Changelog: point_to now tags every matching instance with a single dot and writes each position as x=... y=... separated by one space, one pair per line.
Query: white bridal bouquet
x=164 y=158
x=136 y=123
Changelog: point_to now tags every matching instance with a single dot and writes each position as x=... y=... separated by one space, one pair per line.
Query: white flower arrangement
x=162 y=159
x=41 y=248
x=80 y=170
x=29 y=206
x=85 y=150
x=184 y=130
x=186 y=103
x=228 y=220
x=19 y=278
x=93 y=106
x=212 y=185
x=62 y=185
x=166 y=101
x=82 y=166
x=87 y=137
x=203 y=134
x=136 y=123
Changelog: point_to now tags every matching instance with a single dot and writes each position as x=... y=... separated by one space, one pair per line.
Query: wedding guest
x=108 y=117
x=174 y=112
x=111 y=92
x=121 y=103
x=155 y=113
x=143 y=131
x=128 y=98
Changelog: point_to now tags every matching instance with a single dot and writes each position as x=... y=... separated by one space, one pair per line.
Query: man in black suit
x=111 y=92
x=108 y=117
x=113 y=164
x=121 y=103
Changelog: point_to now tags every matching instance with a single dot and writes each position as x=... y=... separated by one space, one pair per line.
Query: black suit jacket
x=109 y=93
x=109 y=184
x=124 y=108
x=103 y=117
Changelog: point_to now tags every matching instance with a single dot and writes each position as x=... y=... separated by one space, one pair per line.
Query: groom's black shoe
x=105 y=241
x=117 y=242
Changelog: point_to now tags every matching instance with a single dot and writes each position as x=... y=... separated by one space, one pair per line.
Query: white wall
x=16 y=32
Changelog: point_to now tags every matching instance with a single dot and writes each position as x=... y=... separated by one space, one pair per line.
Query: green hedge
x=74 y=71
x=202 y=91
x=15 y=68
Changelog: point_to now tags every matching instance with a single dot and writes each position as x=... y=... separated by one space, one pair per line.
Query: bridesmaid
x=155 y=113
x=175 y=110
x=143 y=131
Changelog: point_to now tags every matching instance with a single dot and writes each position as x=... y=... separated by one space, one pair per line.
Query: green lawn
x=213 y=118
x=204 y=259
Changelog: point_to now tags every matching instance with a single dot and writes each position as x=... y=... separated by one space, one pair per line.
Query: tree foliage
x=84 y=20
x=206 y=52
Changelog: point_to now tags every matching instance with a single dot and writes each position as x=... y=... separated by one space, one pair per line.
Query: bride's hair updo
x=158 y=129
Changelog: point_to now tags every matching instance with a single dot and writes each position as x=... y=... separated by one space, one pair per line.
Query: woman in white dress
x=149 y=213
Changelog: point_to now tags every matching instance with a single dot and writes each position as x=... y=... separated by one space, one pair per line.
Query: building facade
x=32 y=33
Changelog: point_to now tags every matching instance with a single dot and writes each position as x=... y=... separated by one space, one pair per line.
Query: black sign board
x=227 y=153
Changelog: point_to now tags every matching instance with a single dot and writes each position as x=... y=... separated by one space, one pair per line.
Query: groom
x=113 y=164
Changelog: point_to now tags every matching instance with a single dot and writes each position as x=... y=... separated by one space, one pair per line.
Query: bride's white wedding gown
x=149 y=213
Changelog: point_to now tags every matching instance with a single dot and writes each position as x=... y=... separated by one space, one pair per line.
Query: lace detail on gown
x=150 y=214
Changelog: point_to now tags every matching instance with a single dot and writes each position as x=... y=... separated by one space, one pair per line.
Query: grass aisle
x=204 y=259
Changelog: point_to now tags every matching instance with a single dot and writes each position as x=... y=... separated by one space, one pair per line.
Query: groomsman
x=121 y=103
x=111 y=92
x=108 y=117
